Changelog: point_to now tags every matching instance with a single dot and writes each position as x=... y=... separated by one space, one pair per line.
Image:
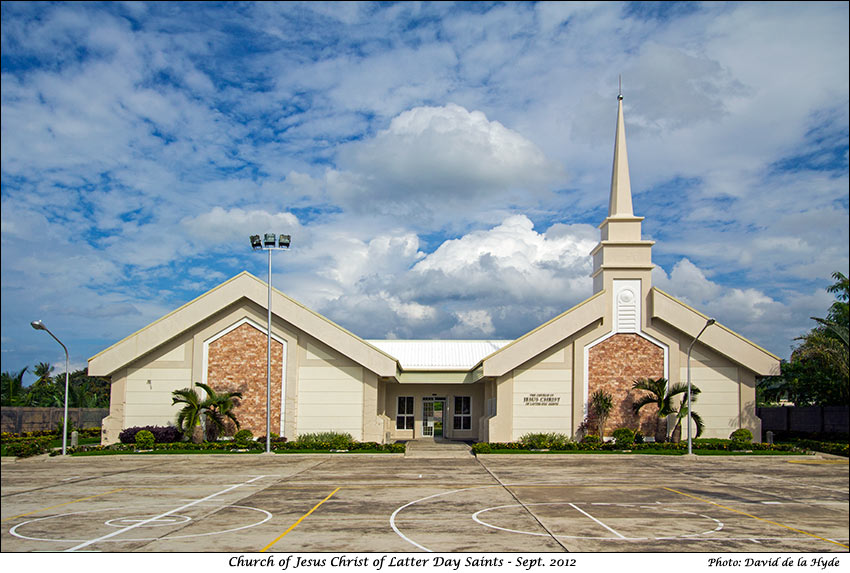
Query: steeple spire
x=620 y=204
x=621 y=253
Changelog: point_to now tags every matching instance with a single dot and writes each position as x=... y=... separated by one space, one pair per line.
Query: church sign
x=541 y=400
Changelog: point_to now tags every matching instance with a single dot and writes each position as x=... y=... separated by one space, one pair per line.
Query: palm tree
x=191 y=414
x=219 y=408
x=601 y=404
x=682 y=413
x=11 y=386
x=44 y=392
x=661 y=393
x=196 y=412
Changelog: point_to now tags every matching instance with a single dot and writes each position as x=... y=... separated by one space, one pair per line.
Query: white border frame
x=616 y=330
x=264 y=331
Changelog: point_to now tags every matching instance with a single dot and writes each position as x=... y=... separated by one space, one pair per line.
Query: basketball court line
x=302 y=518
x=61 y=504
x=758 y=518
x=160 y=516
x=617 y=533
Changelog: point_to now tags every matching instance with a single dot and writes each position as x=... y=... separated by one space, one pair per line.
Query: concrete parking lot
x=391 y=503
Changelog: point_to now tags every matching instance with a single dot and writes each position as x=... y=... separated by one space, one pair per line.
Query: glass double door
x=433 y=410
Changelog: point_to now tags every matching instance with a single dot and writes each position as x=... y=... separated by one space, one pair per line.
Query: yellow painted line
x=759 y=518
x=820 y=462
x=61 y=504
x=302 y=518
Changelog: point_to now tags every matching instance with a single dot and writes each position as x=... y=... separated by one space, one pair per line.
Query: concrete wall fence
x=816 y=419
x=20 y=419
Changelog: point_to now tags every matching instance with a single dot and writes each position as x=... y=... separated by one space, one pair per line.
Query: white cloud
x=433 y=158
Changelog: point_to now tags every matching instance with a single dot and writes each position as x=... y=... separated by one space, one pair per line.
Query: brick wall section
x=614 y=365
x=237 y=362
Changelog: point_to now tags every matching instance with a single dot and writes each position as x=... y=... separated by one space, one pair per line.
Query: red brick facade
x=237 y=362
x=613 y=366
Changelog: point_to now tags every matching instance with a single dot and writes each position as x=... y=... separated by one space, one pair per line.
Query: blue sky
x=440 y=167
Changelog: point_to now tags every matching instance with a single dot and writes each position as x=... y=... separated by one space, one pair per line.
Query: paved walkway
x=437 y=448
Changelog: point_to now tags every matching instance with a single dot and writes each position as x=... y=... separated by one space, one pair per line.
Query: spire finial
x=620 y=204
x=619 y=87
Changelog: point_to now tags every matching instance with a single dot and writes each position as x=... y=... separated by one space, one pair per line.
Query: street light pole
x=268 y=244
x=38 y=325
x=708 y=323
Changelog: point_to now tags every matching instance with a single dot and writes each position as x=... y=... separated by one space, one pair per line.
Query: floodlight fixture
x=269 y=240
x=256 y=243
x=283 y=241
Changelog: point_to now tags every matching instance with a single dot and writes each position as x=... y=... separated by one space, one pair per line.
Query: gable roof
x=722 y=340
x=242 y=286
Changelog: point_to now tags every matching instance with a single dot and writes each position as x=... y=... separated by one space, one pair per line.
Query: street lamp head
x=710 y=321
x=283 y=241
x=269 y=240
x=38 y=325
x=255 y=242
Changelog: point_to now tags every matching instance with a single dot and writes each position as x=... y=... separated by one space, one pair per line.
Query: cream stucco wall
x=330 y=393
x=141 y=393
x=542 y=394
x=727 y=395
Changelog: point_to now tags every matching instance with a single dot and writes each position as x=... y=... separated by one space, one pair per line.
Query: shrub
x=144 y=440
x=825 y=447
x=242 y=437
x=624 y=436
x=741 y=436
x=325 y=441
x=25 y=448
x=542 y=441
x=161 y=434
x=481 y=448
x=591 y=439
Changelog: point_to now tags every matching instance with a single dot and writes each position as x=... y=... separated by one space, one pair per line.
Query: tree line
x=817 y=373
x=48 y=391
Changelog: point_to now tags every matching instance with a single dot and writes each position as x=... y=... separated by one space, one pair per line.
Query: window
x=404 y=413
x=463 y=414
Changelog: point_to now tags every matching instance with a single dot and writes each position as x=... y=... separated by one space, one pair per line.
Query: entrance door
x=432 y=416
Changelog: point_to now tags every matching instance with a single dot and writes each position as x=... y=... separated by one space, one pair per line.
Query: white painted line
x=597 y=521
x=772 y=502
x=160 y=516
x=400 y=509
x=14 y=531
x=798 y=484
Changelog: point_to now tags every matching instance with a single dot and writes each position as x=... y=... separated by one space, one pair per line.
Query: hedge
x=590 y=446
x=161 y=434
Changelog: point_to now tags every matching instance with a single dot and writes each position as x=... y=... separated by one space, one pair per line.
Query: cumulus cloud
x=506 y=280
x=433 y=158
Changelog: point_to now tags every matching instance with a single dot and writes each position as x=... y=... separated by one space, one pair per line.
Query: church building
x=325 y=378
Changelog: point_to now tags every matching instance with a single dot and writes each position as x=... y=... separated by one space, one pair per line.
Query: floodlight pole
x=708 y=323
x=256 y=244
x=38 y=325
x=269 y=366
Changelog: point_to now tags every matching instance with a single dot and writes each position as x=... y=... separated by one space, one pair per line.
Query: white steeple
x=621 y=253
x=620 y=204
